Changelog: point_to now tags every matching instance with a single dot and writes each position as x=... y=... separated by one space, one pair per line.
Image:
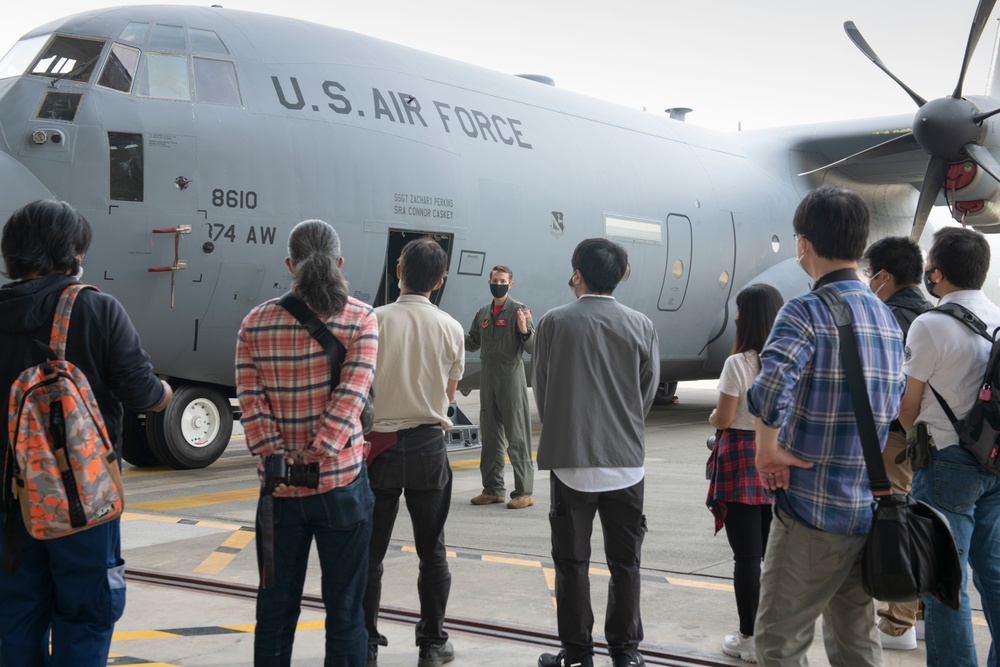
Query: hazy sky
x=763 y=64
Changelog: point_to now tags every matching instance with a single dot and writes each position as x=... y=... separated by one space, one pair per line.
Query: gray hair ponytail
x=314 y=248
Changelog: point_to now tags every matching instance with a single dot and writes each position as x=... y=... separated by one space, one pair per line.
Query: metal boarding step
x=464 y=433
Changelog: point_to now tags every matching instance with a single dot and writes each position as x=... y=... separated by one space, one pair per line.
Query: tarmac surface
x=199 y=523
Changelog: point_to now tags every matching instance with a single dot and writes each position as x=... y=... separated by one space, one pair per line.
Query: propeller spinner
x=949 y=129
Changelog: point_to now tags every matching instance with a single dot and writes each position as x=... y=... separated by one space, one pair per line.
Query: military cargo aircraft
x=193 y=138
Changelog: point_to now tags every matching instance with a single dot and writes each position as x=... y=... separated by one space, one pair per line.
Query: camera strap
x=307 y=318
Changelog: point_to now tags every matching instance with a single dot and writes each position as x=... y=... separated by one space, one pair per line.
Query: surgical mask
x=873 y=278
x=930 y=285
x=498 y=291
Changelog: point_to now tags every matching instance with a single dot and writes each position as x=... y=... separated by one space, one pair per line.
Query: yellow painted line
x=240 y=539
x=465 y=465
x=188 y=502
x=214 y=563
x=406 y=548
x=132 y=635
x=599 y=571
x=311 y=625
x=978 y=621
x=134 y=516
x=700 y=584
x=511 y=561
x=247 y=627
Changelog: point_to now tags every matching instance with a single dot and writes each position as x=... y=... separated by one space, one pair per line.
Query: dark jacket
x=906 y=304
x=101 y=342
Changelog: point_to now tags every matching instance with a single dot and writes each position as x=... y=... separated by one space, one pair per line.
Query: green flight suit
x=504 y=415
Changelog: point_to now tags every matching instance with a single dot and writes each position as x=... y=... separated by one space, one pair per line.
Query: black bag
x=333 y=348
x=910 y=550
x=979 y=432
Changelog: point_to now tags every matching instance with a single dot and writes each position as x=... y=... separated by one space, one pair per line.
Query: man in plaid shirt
x=809 y=449
x=283 y=382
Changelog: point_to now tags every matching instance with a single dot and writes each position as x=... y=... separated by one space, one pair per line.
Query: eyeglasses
x=798 y=236
x=870 y=272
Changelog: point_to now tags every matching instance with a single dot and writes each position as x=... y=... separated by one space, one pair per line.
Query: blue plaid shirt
x=802 y=388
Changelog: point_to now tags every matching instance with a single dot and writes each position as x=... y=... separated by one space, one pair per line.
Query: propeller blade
x=975 y=32
x=859 y=41
x=901 y=144
x=937 y=167
x=982 y=156
x=980 y=117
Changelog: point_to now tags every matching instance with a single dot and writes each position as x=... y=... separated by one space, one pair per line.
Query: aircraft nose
x=18 y=186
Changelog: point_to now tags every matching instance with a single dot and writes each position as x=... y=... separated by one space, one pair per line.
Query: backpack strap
x=966 y=317
x=60 y=323
x=976 y=325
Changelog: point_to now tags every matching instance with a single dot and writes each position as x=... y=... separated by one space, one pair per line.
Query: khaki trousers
x=807 y=573
x=895 y=618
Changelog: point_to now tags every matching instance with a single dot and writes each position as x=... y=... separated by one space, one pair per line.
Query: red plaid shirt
x=283 y=386
x=733 y=473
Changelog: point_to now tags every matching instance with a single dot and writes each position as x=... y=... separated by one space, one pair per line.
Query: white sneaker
x=905 y=642
x=739 y=646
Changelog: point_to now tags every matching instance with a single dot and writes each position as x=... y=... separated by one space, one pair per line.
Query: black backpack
x=979 y=431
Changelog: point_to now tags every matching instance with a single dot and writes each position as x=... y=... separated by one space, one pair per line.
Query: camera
x=278 y=471
x=710 y=443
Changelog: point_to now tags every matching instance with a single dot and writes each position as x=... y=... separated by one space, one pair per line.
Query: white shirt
x=949 y=356
x=737 y=375
x=420 y=348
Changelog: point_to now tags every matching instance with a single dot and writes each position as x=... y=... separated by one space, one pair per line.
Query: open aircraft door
x=388 y=289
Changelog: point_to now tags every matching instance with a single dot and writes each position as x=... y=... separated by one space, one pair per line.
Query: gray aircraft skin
x=193 y=138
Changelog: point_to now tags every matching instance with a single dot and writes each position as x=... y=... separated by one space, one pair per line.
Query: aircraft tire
x=194 y=429
x=666 y=393
x=135 y=443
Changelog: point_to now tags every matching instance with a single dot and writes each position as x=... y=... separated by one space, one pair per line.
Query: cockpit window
x=206 y=41
x=134 y=32
x=215 y=81
x=119 y=71
x=166 y=77
x=22 y=53
x=169 y=37
x=70 y=58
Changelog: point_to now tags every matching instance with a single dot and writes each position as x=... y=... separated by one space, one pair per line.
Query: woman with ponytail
x=299 y=410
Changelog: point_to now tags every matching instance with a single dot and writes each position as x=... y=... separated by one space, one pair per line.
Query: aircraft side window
x=166 y=77
x=215 y=81
x=126 y=166
x=60 y=106
x=206 y=41
x=68 y=58
x=20 y=55
x=119 y=71
x=134 y=32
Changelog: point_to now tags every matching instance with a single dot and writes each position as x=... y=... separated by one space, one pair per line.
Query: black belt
x=403 y=432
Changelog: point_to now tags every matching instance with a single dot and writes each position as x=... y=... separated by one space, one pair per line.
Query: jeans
x=73 y=587
x=416 y=467
x=969 y=497
x=340 y=520
x=571 y=517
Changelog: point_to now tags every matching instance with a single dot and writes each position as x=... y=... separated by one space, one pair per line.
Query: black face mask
x=499 y=291
x=928 y=284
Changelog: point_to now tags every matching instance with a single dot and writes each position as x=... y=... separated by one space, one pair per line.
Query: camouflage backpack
x=61 y=465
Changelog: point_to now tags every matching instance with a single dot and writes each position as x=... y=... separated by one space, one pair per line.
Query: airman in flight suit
x=502 y=330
